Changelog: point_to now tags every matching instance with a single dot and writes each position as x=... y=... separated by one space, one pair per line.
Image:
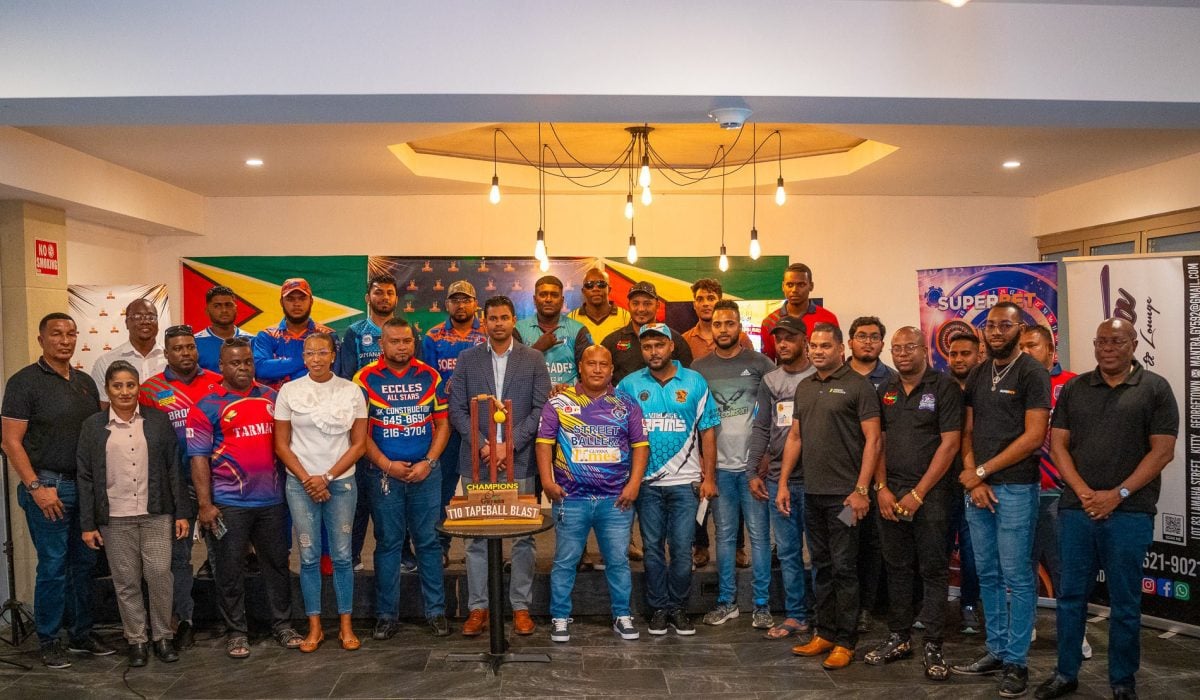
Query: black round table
x=495 y=535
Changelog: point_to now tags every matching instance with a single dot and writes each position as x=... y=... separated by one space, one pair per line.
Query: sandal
x=237 y=647
x=350 y=643
x=288 y=638
x=787 y=628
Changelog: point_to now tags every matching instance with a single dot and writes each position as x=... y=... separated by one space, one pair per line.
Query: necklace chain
x=998 y=377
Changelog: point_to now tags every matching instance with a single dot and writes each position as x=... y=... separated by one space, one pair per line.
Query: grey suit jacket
x=526 y=384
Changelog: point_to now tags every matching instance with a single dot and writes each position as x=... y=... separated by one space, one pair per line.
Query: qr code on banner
x=1172 y=528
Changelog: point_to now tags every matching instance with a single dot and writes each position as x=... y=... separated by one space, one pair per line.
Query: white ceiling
x=353 y=159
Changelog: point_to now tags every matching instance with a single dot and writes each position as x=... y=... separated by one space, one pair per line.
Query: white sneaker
x=1087 y=649
x=560 y=629
x=624 y=628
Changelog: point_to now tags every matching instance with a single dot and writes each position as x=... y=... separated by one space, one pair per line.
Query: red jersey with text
x=236 y=432
x=402 y=407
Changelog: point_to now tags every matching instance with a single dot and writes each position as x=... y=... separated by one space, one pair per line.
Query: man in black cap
x=624 y=345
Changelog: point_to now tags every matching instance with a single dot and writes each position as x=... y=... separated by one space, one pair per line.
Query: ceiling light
x=494 y=193
x=647 y=198
x=631 y=255
x=254 y=162
x=628 y=206
x=1012 y=164
x=539 y=248
x=755 y=248
x=723 y=263
x=955 y=3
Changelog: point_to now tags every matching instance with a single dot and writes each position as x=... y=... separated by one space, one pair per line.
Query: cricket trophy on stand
x=492 y=502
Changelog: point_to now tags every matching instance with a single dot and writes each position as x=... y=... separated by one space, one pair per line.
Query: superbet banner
x=955 y=300
x=1160 y=296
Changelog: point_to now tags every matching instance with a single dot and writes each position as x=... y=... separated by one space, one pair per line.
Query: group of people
x=616 y=417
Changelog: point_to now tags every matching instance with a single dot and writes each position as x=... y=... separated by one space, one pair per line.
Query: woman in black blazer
x=131 y=502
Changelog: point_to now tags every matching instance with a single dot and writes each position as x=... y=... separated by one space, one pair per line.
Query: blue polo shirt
x=208 y=345
x=673 y=415
x=562 y=357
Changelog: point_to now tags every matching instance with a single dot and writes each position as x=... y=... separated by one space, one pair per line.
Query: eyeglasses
x=460 y=300
x=906 y=348
x=868 y=337
x=1002 y=326
x=318 y=353
x=1117 y=343
x=595 y=284
x=143 y=317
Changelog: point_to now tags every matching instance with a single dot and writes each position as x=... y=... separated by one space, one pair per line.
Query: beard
x=1006 y=350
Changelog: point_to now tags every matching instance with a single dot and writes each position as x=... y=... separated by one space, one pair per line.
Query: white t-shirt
x=321 y=414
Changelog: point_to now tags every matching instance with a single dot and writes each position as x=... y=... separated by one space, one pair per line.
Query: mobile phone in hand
x=219 y=529
x=847 y=516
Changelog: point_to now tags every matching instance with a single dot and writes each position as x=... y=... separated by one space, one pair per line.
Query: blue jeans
x=789 y=540
x=1118 y=545
x=401 y=509
x=63 y=587
x=573 y=519
x=1003 y=543
x=667 y=519
x=735 y=499
x=336 y=518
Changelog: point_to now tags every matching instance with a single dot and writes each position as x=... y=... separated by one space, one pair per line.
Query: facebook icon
x=1166 y=588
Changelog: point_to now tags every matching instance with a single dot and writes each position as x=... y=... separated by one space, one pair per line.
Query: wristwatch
x=860 y=490
x=433 y=463
x=879 y=486
x=1124 y=493
x=980 y=472
x=34 y=485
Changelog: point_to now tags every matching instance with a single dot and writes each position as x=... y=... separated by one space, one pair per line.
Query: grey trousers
x=139 y=547
x=520 y=584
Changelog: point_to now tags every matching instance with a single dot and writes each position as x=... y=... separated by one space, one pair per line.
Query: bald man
x=1113 y=432
x=593 y=478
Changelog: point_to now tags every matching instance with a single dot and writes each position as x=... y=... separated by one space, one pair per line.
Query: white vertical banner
x=1151 y=292
x=99 y=313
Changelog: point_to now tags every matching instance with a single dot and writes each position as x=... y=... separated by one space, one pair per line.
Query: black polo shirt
x=1111 y=428
x=626 y=351
x=999 y=414
x=914 y=424
x=54 y=409
x=831 y=412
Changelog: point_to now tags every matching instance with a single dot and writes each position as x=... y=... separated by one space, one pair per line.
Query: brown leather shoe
x=840 y=657
x=699 y=557
x=742 y=559
x=522 y=622
x=814 y=647
x=476 y=623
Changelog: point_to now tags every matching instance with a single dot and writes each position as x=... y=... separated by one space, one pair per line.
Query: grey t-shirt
x=733 y=384
x=774 y=420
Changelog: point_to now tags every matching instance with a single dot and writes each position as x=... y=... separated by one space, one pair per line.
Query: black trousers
x=918 y=548
x=266 y=528
x=870 y=558
x=834 y=551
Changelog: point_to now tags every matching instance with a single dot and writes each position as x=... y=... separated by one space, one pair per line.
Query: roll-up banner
x=1160 y=296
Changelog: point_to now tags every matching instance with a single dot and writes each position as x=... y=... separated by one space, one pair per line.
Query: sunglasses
x=595 y=284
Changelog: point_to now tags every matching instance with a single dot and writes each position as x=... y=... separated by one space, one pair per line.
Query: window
x=1178 y=243
x=1164 y=233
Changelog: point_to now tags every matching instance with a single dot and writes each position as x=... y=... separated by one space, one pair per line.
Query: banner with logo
x=1160 y=296
x=99 y=313
x=957 y=299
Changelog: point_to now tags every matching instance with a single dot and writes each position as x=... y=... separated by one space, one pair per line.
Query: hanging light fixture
x=780 y=193
x=631 y=255
x=494 y=194
x=539 y=248
x=755 y=250
x=723 y=261
x=644 y=176
x=647 y=198
x=629 y=206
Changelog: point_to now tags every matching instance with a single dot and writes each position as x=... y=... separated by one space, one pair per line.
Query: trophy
x=492 y=502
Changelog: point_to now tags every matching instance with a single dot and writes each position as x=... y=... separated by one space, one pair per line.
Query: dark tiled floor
x=730 y=661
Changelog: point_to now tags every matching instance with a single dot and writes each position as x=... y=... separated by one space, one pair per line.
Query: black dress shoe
x=1121 y=692
x=1055 y=687
x=185 y=636
x=439 y=626
x=139 y=654
x=897 y=646
x=164 y=649
x=1014 y=682
x=983 y=666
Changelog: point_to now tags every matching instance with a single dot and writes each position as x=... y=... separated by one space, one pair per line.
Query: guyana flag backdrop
x=339 y=283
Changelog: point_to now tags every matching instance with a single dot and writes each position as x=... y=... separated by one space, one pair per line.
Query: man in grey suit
x=513 y=372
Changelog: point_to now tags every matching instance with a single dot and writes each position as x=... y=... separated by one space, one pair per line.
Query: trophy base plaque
x=493 y=504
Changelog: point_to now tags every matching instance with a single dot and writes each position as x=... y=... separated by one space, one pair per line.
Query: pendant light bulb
x=544 y=264
x=646 y=196
x=539 y=248
x=644 y=175
x=780 y=194
x=629 y=206
x=494 y=194
x=723 y=263
x=755 y=248
x=631 y=255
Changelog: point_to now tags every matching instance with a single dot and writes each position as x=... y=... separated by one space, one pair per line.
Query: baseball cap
x=643 y=288
x=790 y=324
x=660 y=328
x=461 y=287
x=295 y=284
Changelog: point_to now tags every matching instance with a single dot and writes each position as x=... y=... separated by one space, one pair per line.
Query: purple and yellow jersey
x=236 y=432
x=595 y=439
x=402 y=407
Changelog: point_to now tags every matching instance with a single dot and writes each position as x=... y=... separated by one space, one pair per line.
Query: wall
x=864 y=250
x=105 y=255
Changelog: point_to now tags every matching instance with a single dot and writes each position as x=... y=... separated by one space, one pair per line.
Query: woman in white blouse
x=320 y=432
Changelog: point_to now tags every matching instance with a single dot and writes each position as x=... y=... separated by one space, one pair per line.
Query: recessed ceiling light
x=1012 y=164
x=955 y=3
x=254 y=162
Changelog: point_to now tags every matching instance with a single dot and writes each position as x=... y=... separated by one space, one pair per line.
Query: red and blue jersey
x=208 y=346
x=402 y=407
x=237 y=433
x=279 y=353
x=169 y=393
x=595 y=439
x=1051 y=479
x=442 y=345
